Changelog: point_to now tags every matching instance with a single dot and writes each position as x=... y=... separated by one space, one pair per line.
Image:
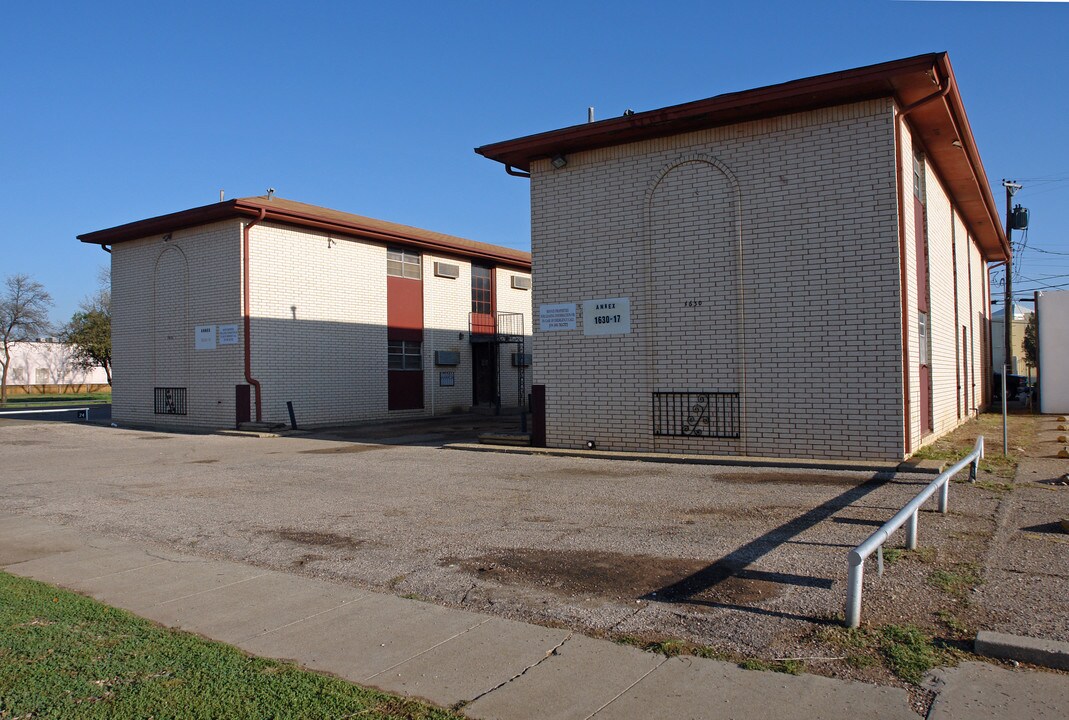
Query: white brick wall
x=947 y=238
x=446 y=304
x=160 y=291
x=318 y=313
x=811 y=337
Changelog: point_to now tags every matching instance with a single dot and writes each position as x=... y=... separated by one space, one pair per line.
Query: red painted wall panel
x=404 y=309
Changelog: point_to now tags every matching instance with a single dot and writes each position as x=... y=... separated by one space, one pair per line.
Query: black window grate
x=696 y=414
x=170 y=401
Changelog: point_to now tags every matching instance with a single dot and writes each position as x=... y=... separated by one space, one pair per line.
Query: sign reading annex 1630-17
x=609 y=316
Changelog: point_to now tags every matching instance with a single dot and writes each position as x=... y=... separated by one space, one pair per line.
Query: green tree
x=1031 y=342
x=89 y=329
x=24 y=305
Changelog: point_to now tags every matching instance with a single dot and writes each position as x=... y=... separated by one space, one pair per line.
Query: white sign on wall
x=204 y=337
x=556 y=316
x=228 y=334
x=607 y=316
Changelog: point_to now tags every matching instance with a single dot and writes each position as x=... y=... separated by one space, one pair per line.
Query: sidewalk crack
x=626 y=689
x=550 y=653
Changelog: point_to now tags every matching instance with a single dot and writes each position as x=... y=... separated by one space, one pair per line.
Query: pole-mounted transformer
x=1020 y=218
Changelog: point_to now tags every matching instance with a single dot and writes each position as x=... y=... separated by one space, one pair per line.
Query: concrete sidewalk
x=487 y=666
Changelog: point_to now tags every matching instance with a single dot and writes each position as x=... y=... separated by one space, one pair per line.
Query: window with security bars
x=169 y=401
x=481 y=290
x=403 y=263
x=405 y=355
x=696 y=414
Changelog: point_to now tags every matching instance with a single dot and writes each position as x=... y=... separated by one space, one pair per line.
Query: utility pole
x=1007 y=314
x=1007 y=320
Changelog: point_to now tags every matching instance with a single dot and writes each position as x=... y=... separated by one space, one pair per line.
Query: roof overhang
x=301 y=215
x=938 y=123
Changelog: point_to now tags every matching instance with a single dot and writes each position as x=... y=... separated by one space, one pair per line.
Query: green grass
x=66 y=656
x=957 y=582
x=909 y=652
x=905 y=650
x=56 y=399
x=791 y=667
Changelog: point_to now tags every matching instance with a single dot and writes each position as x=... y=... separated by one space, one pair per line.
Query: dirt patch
x=342 y=449
x=322 y=539
x=202 y=462
x=617 y=575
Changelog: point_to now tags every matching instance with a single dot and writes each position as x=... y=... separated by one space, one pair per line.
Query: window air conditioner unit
x=519 y=282
x=446 y=357
x=447 y=270
x=521 y=359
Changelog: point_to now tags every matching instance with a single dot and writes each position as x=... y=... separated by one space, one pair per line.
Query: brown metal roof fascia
x=162 y=224
x=289 y=216
x=952 y=102
x=937 y=120
x=242 y=207
x=820 y=91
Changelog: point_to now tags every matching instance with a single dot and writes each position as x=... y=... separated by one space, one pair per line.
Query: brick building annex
x=226 y=313
x=797 y=270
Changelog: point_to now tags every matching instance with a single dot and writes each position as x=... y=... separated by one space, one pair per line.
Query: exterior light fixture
x=957 y=144
x=591 y=445
x=559 y=161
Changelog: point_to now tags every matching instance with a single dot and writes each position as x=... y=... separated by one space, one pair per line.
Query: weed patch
x=957 y=582
x=905 y=650
x=909 y=652
x=671 y=648
x=790 y=667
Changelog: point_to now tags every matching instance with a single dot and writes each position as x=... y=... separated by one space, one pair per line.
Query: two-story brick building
x=797 y=270
x=225 y=313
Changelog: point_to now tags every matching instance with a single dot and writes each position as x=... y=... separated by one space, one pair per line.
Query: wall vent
x=521 y=359
x=446 y=357
x=447 y=270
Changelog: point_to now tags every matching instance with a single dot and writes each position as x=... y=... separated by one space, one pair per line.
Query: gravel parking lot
x=748 y=561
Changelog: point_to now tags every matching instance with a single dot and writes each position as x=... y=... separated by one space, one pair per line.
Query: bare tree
x=24 y=305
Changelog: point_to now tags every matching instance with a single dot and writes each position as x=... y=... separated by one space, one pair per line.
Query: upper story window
x=403 y=263
x=918 y=175
x=481 y=290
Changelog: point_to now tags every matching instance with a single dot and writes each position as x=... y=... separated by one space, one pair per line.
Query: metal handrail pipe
x=908 y=514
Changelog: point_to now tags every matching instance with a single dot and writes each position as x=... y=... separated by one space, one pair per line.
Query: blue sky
x=117 y=111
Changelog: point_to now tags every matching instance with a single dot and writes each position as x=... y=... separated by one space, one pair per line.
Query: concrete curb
x=923 y=467
x=1047 y=653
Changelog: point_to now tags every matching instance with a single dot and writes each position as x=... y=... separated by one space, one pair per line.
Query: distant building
x=798 y=270
x=47 y=365
x=1017 y=363
x=225 y=313
x=1052 y=324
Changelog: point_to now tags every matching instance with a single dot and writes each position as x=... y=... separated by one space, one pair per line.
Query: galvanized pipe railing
x=906 y=516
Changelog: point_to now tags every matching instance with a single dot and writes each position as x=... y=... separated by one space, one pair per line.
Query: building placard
x=556 y=316
x=228 y=334
x=446 y=379
x=607 y=316
x=204 y=337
